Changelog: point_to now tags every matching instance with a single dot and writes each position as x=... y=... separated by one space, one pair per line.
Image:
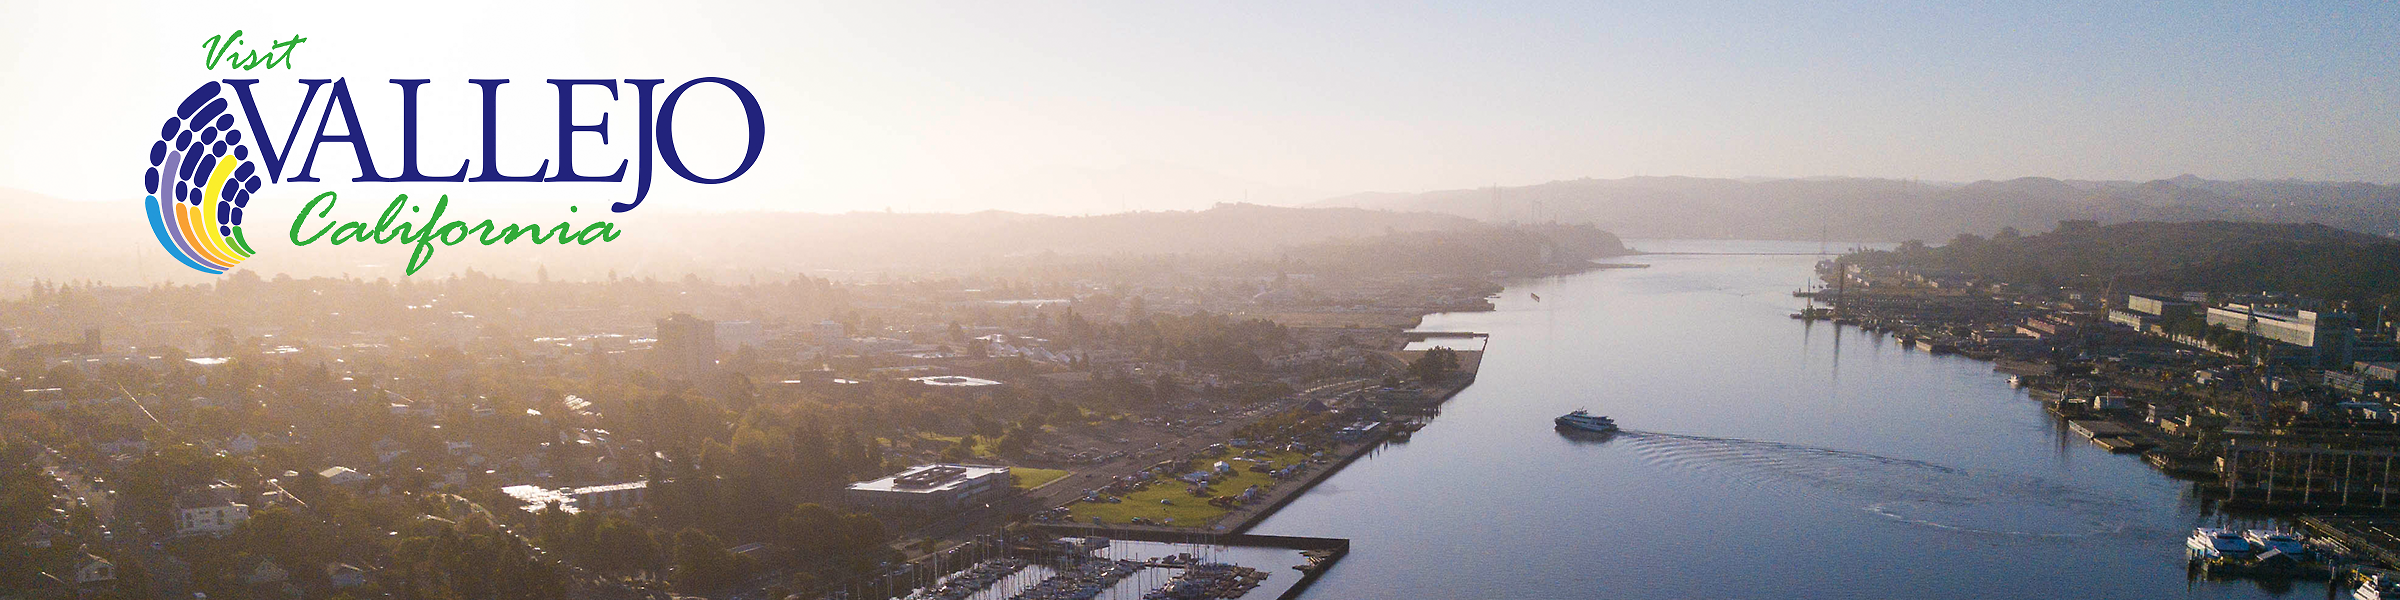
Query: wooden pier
x=2372 y=538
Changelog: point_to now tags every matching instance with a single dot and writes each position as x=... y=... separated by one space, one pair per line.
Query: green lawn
x=1187 y=510
x=1029 y=478
x=984 y=447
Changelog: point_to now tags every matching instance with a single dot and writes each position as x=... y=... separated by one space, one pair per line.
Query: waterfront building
x=2138 y=321
x=2365 y=378
x=931 y=487
x=2387 y=371
x=2164 y=308
x=2328 y=336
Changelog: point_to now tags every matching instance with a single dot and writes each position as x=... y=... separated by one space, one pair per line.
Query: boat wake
x=1908 y=491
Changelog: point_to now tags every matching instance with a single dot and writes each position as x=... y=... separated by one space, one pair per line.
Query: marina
x=1100 y=563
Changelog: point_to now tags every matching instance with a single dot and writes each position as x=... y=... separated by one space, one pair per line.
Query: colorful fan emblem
x=201 y=176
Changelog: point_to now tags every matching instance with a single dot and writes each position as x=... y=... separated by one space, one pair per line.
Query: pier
x=1327 y=550
x=2375 y=538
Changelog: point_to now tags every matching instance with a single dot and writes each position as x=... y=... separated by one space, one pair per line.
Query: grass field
x=1029 y=478
x=984 y=446
x=1186 y=509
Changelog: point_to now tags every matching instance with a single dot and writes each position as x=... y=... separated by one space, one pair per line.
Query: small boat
x=1586 y=421
x=2377 y=587
x=1536 y=297
x=2209 y=543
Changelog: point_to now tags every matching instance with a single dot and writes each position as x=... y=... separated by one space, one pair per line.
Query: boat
x=1536 y=297
x=2209 y=543
x=1586 y=421
x=2377 y=587
x=2286 y=543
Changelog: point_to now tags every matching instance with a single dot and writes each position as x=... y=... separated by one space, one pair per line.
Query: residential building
x=41 y=536
x=342 y=575
x=342 y=475
x=267 y=572
x=93 y=569
x=206 y=511
x=687 y=346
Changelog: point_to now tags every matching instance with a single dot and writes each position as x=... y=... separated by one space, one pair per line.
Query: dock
x=2373 y=538
x=1325 y=551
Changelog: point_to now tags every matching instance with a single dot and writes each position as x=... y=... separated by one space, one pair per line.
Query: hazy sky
x=1080 y=107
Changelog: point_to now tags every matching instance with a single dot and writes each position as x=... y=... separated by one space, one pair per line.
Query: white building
x=207 y=512
x=2328 y=335
x=341 y=475
x=932 y=487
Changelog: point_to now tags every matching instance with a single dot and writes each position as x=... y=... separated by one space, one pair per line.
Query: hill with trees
x=1896 y=209
x=2209 y=256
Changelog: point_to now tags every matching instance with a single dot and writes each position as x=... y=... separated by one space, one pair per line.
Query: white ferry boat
x=2211 y=543
x=1586 y=421
x=2286 y=543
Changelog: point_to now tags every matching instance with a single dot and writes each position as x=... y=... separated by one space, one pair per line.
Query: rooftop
x=953 y=381
x=537 y=497
x=928 y=478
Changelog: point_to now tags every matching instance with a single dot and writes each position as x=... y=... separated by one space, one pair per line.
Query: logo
x=215 y=153
x=201 y=177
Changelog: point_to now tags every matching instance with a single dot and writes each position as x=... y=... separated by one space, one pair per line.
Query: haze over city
x=967 y=300
x=1079 y=108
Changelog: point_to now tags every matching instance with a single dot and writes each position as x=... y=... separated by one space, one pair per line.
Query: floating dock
x=1322 y=552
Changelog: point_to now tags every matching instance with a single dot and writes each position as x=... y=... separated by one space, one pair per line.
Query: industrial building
x=932 y=487
x=2327 y=335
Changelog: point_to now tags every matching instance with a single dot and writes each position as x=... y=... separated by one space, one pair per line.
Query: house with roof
x=242 y=445
x=125 y=446
x=343 y=575
x=208 y=511
x=266 y=572
x=91 y=570
x=342 y=476
x=41 y=536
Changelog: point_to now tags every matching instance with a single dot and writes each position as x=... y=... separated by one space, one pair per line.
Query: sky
x=1074 y=108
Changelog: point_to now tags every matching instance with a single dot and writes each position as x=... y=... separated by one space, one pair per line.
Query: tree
x=1437 y=364
x=812 y=531
x=703 y=563
x=621 y=546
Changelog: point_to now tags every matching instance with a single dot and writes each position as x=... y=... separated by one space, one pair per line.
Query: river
x=1765 y=458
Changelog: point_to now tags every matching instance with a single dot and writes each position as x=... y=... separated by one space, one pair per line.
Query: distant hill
x=1896 y=210
x=111 y=242
x=2211 y=256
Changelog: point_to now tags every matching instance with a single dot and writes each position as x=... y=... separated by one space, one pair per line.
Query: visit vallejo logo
x=214 y=154
x=200 y=179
